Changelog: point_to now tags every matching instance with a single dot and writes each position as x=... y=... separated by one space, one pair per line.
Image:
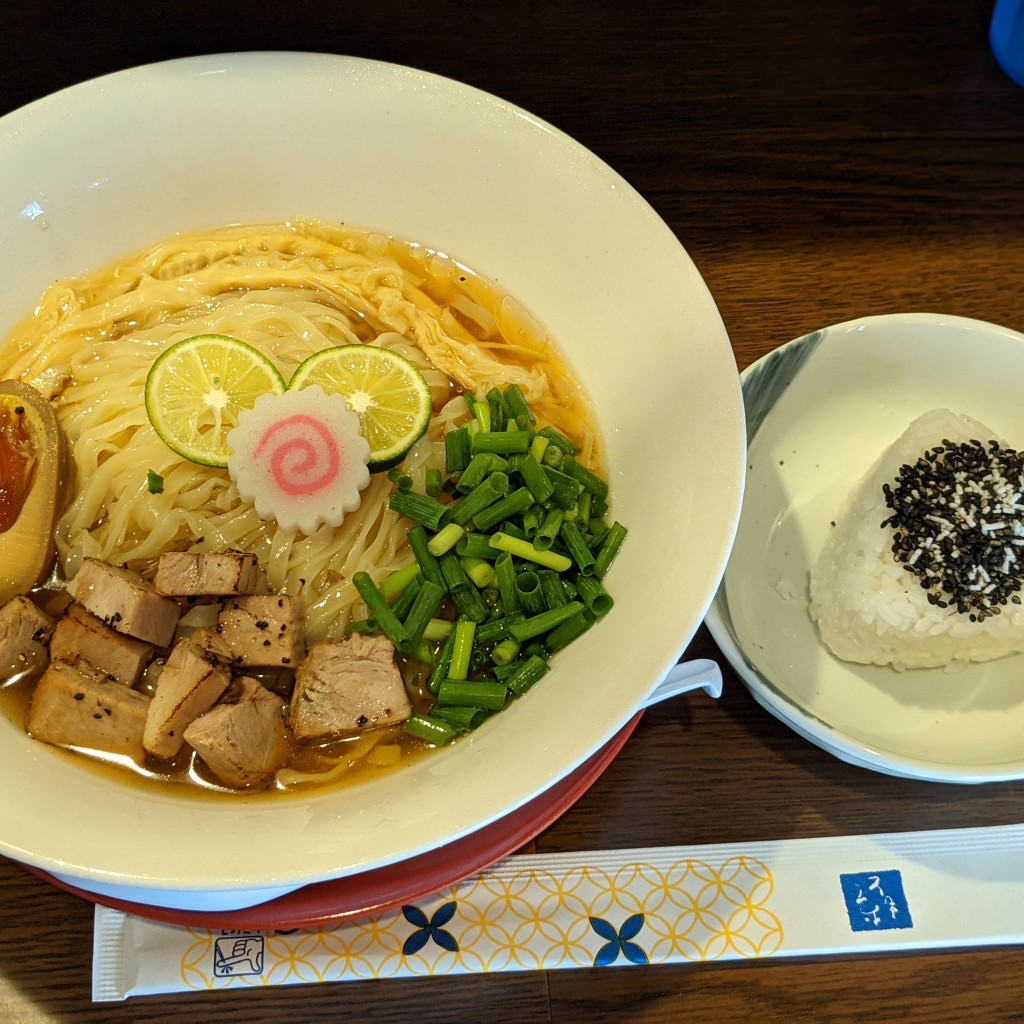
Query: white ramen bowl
x=109 y=165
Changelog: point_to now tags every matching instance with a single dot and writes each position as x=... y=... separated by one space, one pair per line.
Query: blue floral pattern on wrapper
x=619 y=941
x=430 y=928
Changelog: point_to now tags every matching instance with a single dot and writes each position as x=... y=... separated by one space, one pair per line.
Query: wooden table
x=819 y=161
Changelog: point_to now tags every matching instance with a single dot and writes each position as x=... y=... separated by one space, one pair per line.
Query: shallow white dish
x=819 y=412
x=107 y=166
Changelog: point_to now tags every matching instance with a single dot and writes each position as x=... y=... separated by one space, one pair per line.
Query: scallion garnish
x=511 y=537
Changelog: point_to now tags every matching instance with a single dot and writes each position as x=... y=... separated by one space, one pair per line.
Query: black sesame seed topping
x=958 y=525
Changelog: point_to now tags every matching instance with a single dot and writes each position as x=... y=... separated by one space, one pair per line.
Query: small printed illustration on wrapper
x=236 y=955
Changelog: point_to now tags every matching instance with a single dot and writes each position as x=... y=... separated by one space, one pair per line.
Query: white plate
x=819 y=412
x=112 y=164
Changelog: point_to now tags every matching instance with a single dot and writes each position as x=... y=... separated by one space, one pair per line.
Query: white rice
x=871 y=610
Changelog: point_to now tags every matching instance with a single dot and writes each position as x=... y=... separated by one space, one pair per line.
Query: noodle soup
x=289 y=290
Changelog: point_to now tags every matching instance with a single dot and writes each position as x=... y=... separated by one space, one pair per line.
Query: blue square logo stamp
x=238 y=955
x=875 y=901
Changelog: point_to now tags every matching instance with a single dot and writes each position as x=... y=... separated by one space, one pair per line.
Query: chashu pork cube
x=24 y=631
x=125 y=601
x=264 y=630
x=196 y=675
x=345 y=687
x=81 y=636
x=207 y=574
x=77 y=705
x=243 y=740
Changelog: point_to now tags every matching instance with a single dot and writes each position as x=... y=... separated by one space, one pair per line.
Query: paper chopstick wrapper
x=798 y=897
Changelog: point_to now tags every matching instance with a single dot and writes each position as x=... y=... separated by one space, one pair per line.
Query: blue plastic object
x=1006 y=35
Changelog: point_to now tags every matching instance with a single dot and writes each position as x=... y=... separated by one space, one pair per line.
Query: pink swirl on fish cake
x=304 y=457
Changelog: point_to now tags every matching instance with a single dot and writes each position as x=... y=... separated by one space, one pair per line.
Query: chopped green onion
x=495 y=629
x=462 y=649
x=577 y=547
x=499 y=409
x=443 y=663
x=504 y=541
x=422 y=652
x=433 y=730
x=454 y=572
x=549 y=527
x=479 y=571
x=552 y=589
x=380 y=610
x=484 y=494
x=517 y=407
x=472 y=693
x=560 y=441
x=547 y=620
x=597 y=530
x=434 y=482
x=422 y=611
x=566 y=488
x=505 y=575
x=574 y=627
x=505 y=651
x=401 y=480
x=401 y=604
x=458 y=447
x=445 y=539
x=593 y=595
x=552 y=457
x=155 y=482
x=609 y=548
x=531 y=598
x=533 y=669
x=425 y=558
x=535 y=478
x=394 y=583
x=460 y=717
x=481 y=411
x=438 y=629
x=511 y=504
x=501 y=442
x=476 y=545
x=591 y=481
x=479 y=467
x=418 y=507
x=470 y=603
x=584 y=508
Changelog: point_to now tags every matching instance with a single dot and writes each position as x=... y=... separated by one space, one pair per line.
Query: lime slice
x=383 y=388
x=196 y=389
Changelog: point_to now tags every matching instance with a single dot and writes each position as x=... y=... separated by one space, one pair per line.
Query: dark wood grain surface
x=819 y=161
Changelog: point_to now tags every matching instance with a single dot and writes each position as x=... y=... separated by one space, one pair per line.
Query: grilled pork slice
x=207 y=574
x=81 y=636
x=196 y=674
x=124 y=601
x=79 y=706
x=244 y=739
x=24 y=630
x=264 y=630
x=346 y=687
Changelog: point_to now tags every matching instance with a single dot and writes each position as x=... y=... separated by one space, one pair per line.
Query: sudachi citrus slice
x=385 y=390
x=196 y=389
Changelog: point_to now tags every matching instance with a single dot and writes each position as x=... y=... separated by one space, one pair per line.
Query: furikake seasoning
x=957 y=522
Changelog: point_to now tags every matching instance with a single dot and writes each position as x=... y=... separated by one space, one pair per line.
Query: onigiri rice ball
x=873 y=609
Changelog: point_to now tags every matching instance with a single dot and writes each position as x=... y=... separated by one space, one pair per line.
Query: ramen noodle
x=289 y=290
